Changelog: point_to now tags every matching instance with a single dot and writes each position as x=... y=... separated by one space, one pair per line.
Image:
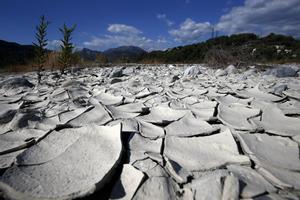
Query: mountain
x=245 y=48
x=15 y=54
x=88 y=54
x=124 y=54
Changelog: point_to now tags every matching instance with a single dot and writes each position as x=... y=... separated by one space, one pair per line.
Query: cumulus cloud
x=190 y=31
x=164 y=18
x=124 y=35
x=123 y=29
x=54 y=44
x=258 y=16
x=263 y=16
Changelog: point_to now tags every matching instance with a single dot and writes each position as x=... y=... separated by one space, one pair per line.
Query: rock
x=203 y=153
x=65 y=117
x=133 y=107
x=229 y=99
x=274 y=121
x=295 y=94
x=14 y=86
x=144 y=93
x=109 y=99
x=73 y=84
x=297 y=138
x=249 y=72
x=116 y=80
x=145 y=164
x=192 y=71
x=271 y=150
x=253 y=184
x=174 y=78
x=281 y=178
x=283 y=71
x=16 y=140
x=177 y=172
x=158 y=188
x=171 y=66
x=291 y=107
x=70 y=173
x=257 y=94
x=231 y=69
x=59 y=95
x=119 y=114
x=237 y=116
x=139 y=145
x=128 y=125
x=7 y=160
x=269 y=153
x=231 y=188
x=163 y=115
x=272 y=196
x=177 y=94
x=17 y=82
x=157 y=171
x=278 y=90
x=150 y=131
x=209 y=185
x=128 y=183
x=97 y=115
x=204 y=109
x=221 y=72
x=129 y=71
x=116 y=73
x=8 y=111
x=189 y=126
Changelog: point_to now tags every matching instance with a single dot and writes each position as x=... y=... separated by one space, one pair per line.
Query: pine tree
x=67 y=47
x=40 y=45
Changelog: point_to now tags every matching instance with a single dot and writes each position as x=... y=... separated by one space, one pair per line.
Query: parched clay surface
x=151 y=132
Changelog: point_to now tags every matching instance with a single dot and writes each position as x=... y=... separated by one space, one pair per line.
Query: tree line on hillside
x=238 y=49
x=235 y=49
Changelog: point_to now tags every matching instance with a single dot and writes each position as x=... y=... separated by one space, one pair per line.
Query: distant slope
x=88 y=54
x=15 y=54
x=235 y=49
x=124 y=54
x=240 y=48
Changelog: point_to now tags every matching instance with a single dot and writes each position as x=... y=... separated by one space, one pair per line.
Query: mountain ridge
x=223 y=50
x=124 y=53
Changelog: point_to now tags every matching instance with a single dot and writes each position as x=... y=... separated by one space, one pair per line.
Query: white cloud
x=120 y=36
x=263 y=16
x=190 y=31
x=164 y=18
x=123 y=29
x=54 y=44
x=258 y=16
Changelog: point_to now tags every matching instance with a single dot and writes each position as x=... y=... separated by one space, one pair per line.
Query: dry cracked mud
x=151 y=132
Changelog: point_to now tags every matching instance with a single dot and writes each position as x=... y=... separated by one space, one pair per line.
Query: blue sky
x=150 y=24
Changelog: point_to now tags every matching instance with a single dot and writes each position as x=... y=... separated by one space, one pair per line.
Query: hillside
x=124 y=54
x=88 y=54
x=237 y=49
x=241 y=48
x=15 y=54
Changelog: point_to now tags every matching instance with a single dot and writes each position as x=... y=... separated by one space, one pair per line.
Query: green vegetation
x=66 y=56
x=239 y=49
x=12 y=54
x=235 y=49
x=40 y=45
